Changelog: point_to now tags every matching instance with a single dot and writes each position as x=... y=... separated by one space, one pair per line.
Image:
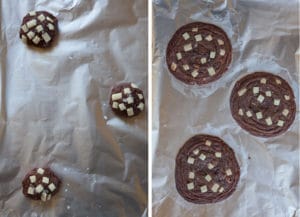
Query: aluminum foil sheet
x=265 y=36
x=55 y=111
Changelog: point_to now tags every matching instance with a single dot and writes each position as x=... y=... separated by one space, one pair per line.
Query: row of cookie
x=261 y=103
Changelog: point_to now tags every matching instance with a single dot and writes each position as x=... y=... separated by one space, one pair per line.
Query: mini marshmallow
x=115 y=105
x=44 y=196
x=259 y=115
x=133 y=85
x=36 y=39
x=208 y=178
x=39 y=188
x=190 y=186
x=30 y=35
x=208 y=142
x=32 y=13
x=130 y=100
x=24 y=28
x=260 y=98
x=173 y=66
x=52 y=187
x=263 y=81
x=228 y=172
x=278 y=81
x=280 y=123
x=268 y=93
x=49 y=19
x=40 y=171
x=30 y=190
x=220 y=42
x=212 y=54
x=285 y=112
x=195 y=30
x=186 y=67
x=255 y=90
x=45 y=180
x=130 y=112
x=218 y=154
x=241 y=113
x=203 y=60
x=196 y=151
x=249 y=114
x=32 y=179
x=187 y=47
x=203 y=188
x=39 y=28
x=195 y=73
x=46 y=37
x=221 y=189
x=116 y=96
x=215 y=187
x=122 y=107
x=50 y=26
x=222 y=52
x=269 y=121
x=24 y=38
x=31 y=23
x=127 y=90
x=242 y=92
x=198 y=37
x=276 y=102
x=191 y=160
x=140 y=96
x=179 y=56
x=211 y=71
x=210 y=166
x=41 y=17
x=202 y=156
x=141 y=106
x=191 y=175
x=208 y=38
x=186 y=36
x=286 y=97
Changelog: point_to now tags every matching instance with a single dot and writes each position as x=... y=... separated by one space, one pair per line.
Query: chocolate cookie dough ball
x=40 y=184
x=127 y=100
x=39 y=29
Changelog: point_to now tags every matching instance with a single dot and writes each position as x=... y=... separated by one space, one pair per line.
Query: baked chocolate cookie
x=127 y=100
x=206 y=170
x=199 y=53
x=263 y=104
x=40 y=184
x=39 y=29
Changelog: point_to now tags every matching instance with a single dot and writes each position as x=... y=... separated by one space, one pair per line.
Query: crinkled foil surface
x=55 y=111
x=265 y=36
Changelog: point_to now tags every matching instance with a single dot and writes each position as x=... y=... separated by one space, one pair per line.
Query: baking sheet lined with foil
x=264 y=37
x=55 y=109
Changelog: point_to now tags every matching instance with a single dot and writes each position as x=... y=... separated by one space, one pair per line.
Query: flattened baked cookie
x=40 y=184
x=263 y=104
x=199 y=53
x=39 y=29
x=206 y=170
x=127 y=100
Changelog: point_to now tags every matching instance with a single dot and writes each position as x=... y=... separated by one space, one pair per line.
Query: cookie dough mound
x=39 y=29
x=40 y=184
x=127 y=100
